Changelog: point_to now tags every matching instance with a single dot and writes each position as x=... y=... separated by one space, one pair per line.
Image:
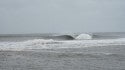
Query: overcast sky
x=44 y=16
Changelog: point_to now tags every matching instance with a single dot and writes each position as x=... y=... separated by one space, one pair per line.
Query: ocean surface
x=59 y=51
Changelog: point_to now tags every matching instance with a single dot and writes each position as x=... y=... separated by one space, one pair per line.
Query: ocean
x=63 y=51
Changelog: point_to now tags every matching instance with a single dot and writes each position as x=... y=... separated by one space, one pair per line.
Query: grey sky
x=38 y=16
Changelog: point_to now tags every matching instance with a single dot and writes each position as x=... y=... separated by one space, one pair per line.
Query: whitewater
x=77 y=51
x=80 y=41
x=54 y=44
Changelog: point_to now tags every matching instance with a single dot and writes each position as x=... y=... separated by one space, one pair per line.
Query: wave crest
x=84 y=36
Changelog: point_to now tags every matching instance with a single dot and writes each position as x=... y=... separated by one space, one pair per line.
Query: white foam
x=38 y=41
x=51 y=44
x=84 y=36
x=30 y=44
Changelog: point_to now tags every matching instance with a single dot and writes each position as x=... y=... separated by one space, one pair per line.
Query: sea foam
x=52 y=44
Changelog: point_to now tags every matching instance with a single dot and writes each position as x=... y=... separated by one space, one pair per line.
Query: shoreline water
x=99 y=58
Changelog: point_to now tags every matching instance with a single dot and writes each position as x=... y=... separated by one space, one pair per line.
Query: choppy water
x=105 y=51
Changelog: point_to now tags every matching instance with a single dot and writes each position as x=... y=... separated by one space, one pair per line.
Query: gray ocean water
x=110 y=57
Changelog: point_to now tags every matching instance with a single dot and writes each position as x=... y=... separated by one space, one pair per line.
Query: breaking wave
x=71 y=37
x=51 y=44
x=83 y=36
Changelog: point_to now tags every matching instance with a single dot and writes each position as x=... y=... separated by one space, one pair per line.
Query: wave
x=71 y=37
x=63 y=37
x=53 y=44
x=83 y=37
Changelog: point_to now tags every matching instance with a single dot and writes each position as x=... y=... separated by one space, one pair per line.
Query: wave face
x=63 y=37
